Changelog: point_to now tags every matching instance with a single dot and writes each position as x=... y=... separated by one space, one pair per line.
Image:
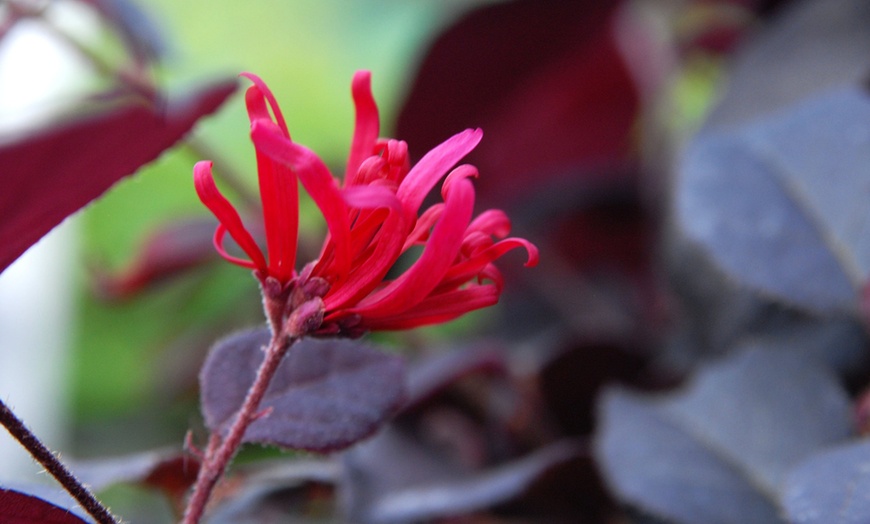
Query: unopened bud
x=305 y=319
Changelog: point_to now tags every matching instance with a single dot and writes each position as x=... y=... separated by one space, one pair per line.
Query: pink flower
x=373 y=219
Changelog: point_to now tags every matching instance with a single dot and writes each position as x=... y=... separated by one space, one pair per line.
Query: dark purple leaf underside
x=719 y=450
x=832 y=486
x=781 y=205
x=21 y=508
x=326 y=395
x=50 y=175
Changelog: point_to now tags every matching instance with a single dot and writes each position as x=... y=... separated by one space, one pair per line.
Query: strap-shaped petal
x=410 y=288
x=366 y=126
x=438 y=308
x=384 y=249
x=279 y=194
x=316 y=179
x=464 y=271
x=433 y=166
x=255 y=99
x=227 y=215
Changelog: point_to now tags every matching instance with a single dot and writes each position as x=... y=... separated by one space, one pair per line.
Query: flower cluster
x=373 y=218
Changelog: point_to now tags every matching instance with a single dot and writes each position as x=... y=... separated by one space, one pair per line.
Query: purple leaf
x=326 y=395
x=50 y=175
x=807 y=48
x=781 y=205
x=719 y=450
x=395 y=480
x=21 y=508
x=831 y=486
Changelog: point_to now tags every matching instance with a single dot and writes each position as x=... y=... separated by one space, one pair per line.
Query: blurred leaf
x=166 y=253
x=831 y=486
x=52 y=174
x=386 y=488
x=718 y=450
x=781 y=205
x=431 y=376
x=326 y=395
x=809 y=47
x=167 y=471
x=138 y=30
x=21 y=508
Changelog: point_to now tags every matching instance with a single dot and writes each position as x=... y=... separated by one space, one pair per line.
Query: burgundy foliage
x=50 y=175
x=21 y=508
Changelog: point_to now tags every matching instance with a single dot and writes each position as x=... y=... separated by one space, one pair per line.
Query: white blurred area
x=39 y=76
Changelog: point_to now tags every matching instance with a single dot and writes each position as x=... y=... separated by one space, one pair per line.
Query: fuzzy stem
x=53 y=465
x=219 y=456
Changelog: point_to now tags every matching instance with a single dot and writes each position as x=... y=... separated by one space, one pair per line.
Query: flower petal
x=384 y=248
x=366 y=128
x=316 y=179
x=279 y=193
x=464 y=271
x=443 y=245
x=256 y=97
x=227 y=215
x=434 y=165
x=438 y=308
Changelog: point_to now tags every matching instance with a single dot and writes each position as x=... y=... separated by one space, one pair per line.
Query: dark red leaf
x=50 y=175
x=166 y=253
x=547 y=82
x=21 y=508
x=326 y=395
x=165 y=470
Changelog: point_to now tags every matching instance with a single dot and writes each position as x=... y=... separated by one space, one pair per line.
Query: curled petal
x=434 y=165
x=256 y=98
x=492 y=222
x=424 y=224
x=218 y=241
x=227 y=215
x=366 y=127
x=468 y=269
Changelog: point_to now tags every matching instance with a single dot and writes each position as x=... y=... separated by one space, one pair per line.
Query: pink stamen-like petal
x=218 y=241
x=438 y=308
x=366 y=127
x=227 y=215
x=492 y=222
x=255 y=98
x=424 y=275
x=467 y=269
x=424 y=224
x=315 y=176
x=434 y=165
x=385 y=247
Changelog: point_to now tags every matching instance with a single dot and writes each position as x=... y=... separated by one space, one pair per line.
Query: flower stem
x=221 y=451
x=53 y=465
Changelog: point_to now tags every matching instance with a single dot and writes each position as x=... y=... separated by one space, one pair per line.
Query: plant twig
x=53 y=465
x=220 y=452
